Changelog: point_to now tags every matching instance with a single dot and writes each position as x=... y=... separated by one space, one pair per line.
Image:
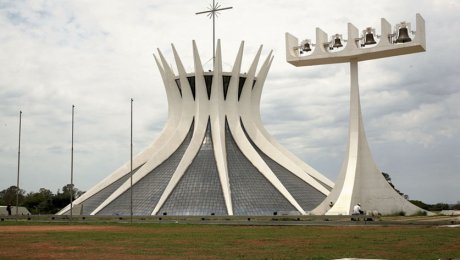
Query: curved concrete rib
x=217 y=106
x=201 y=122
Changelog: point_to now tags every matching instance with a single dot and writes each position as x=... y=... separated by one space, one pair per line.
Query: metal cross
x=213 y=11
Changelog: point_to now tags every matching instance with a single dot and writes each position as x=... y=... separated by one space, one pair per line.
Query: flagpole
x=71 y=168
x=19 y=163
x=131 y=173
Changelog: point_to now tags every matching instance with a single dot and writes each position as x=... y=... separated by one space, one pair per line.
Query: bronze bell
x=306 y=47
x=369 y=39
x=337 y=43
x=403 y=35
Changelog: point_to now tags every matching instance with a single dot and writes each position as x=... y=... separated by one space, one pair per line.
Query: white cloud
x=97 y=55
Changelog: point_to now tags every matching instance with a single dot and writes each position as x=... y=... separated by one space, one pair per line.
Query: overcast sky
x=98 y=54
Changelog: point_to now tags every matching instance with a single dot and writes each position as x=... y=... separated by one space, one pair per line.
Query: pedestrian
x=357 y=210
x=8 y=208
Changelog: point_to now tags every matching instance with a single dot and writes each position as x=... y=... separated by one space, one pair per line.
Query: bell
x=403 y=35
x=369 y=39
x=337 y=43
x=306 y=47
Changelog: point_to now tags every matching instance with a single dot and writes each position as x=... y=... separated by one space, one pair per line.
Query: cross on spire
x=213 y=12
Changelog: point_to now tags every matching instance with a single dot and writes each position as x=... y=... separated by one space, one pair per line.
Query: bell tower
x=360 y=180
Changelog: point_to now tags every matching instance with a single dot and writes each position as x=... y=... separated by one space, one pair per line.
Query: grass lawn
x=179 y=241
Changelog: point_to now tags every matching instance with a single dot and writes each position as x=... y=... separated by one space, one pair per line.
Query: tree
x=68 y=189
x=456 y=206
x=8 y=196
x=388 y=178
x=40 y=202
x=439 y=207
x=420 y=204
x=63 y=199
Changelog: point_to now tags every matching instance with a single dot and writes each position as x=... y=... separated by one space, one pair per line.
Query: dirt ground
x=50 y=228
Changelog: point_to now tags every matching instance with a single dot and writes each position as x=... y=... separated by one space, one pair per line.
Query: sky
x=97 y=55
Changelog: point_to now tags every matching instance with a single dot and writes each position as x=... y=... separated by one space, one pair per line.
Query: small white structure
x=21 y=211
x=450 y=212
x=360 y=180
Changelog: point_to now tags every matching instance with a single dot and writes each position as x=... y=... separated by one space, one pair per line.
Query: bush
x=456 y=206
x=420 y=204
x=439 y=207
x=421 y=213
